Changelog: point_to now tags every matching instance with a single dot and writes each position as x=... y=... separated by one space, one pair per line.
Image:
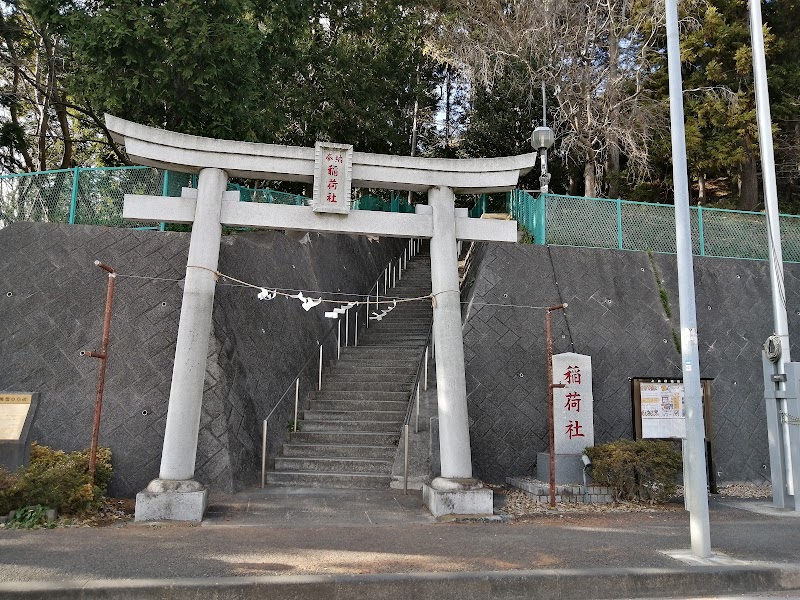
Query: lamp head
x=542 y=137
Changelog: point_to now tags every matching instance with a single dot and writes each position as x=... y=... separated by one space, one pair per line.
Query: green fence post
x=620 y=244
x=164 y=192
x=539 y=217
x=700 y=232
x=73 y=205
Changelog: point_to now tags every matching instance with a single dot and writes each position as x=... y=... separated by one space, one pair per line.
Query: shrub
x=57 y=479
x=645 y=470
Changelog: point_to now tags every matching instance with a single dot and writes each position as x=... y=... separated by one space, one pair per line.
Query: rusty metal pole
x=103 y=357
x=548 y=332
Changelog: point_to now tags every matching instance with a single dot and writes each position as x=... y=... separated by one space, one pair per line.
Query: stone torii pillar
x=175 y=495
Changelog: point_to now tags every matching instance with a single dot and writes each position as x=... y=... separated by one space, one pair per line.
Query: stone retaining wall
x=616 y=316
x=52 y=299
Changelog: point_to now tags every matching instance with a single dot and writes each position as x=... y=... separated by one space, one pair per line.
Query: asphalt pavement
x=309 y=543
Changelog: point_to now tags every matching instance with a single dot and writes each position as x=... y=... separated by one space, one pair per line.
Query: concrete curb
x=495 y=585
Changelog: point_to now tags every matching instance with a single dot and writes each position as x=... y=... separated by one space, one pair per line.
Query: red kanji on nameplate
x=333 y=170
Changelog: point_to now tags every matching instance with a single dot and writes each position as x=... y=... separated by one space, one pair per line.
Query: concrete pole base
x=171 y=500
x=457 y=497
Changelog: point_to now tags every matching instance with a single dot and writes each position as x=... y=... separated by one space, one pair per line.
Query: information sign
x=13 y=412
x=663 y=410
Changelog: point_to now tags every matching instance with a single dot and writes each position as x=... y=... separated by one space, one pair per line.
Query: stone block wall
x=616 y=316
x=52 y=300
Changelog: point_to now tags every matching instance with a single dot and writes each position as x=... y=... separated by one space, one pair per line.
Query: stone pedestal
x=569 y=468
x=171 y=500
x=457 y=497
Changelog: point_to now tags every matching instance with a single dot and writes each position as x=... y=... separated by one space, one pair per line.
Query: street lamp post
x=542 y=140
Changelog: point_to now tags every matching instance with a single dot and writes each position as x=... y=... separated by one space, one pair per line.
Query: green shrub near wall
x=58 y=480
x=646 y=470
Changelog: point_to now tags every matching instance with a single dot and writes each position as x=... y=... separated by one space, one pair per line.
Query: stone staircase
x=349 y=435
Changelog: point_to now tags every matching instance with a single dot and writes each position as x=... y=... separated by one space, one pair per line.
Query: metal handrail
x=296 y=384
x=391 y=274
x=415 y=389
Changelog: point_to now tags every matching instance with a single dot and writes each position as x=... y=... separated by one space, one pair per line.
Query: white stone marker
x=573 y=418
x=573 y=405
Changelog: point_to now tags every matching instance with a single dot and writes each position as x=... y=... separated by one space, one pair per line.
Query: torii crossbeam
x=175 y=495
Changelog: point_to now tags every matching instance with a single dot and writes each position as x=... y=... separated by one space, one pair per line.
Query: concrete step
x=370 y=342
x=360 y=405
x=335 y=395
x=421 y=327
x=340 y=450
x=393 y=336
x=379 y=363
x=406 y=376
x=368 y=481
x=365 y=438
x=357 y=369
x=350 y=426
x=393 y=416
x=345 y=385
x=396 y=354
x=335 y=465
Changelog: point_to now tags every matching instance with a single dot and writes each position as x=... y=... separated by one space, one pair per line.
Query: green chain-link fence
x=95 y=196
x=82 y=196
x=601 y=223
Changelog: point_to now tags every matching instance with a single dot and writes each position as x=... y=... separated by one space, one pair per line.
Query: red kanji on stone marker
x=332 y=185
x=573 y=375
x=331 y=197
x=574 y=429
x=333 y=170
x=573 y=401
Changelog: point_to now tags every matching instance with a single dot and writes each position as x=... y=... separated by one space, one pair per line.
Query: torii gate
x=175 y=495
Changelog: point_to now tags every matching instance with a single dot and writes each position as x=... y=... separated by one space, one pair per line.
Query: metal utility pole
x=548 y=334
x=695 y=478
x=782 y=441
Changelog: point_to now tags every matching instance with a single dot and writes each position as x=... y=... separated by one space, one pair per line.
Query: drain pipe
x=103 y=357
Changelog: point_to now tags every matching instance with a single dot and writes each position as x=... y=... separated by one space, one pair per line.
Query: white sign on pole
x=663 y=410
x=333 y=173
x=573 y=405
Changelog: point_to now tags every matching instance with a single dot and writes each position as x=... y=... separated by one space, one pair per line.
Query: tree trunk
x=748 y=190
x=447 y=107
x=589 y=179
x=701 y=189
x=612 y=141
x=612 y=167
x=573 y=185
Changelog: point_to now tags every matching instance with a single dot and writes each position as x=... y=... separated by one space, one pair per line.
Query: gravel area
x=516 y=503
x=745 y=490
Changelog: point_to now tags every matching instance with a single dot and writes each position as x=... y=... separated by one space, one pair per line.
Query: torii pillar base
x=466 y=497
x=171 y=500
